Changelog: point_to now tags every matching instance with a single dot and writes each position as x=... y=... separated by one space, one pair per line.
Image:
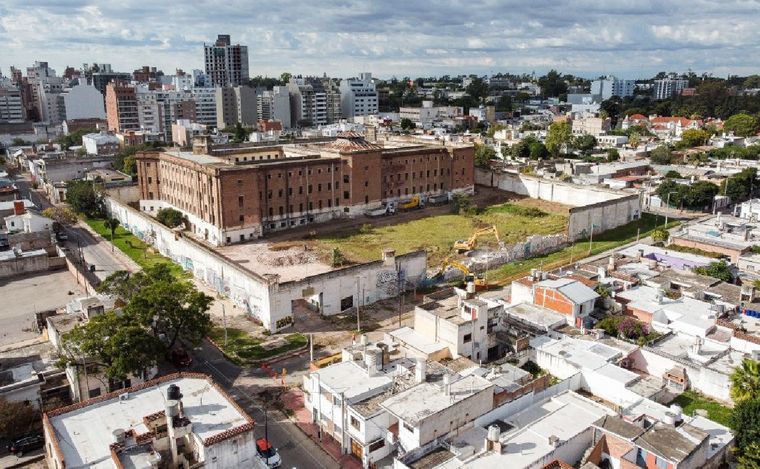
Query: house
x=567 y=296
x=183 y=419
x=726 y=235
x=101 y=143
x=26 y=222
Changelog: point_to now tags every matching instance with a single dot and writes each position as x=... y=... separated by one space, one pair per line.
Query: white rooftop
x=84 y=435
x=720 y=436
x=426 y=399
x=693 y=314
x=584 y=354
x=415 y=340
x=535 y=315
x=352 y=380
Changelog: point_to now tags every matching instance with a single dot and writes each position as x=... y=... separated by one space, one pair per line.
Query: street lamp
x=667 y=205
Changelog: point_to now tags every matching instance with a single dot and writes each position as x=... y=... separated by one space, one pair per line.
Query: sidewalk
x=294 y=401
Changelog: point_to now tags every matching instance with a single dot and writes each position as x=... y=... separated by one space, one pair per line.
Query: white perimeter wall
x=266 y=298
x=604 y=208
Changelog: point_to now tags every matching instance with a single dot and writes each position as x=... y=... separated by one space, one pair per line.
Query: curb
x=39 y=457
x=125 y=259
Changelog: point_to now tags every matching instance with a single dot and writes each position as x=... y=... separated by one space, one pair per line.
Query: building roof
x=84 y=431
x=573 y=289
x=352 y=380
x=619 y=427
x=536 y=316
x=696 y=314
x=417 y=341
x=673 y=444
x=426 y=399
x=9 y=204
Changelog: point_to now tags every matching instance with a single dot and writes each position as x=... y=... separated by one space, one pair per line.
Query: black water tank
x=173 y=393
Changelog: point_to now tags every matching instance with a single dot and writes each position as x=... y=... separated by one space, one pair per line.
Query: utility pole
x=667 y=206
x=224 y=323
x=358 y=303
x=591 y=239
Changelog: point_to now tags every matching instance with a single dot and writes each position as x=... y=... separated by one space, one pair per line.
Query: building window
x=345 y=179
x=376 y=445
x=240 y=201
x=467 y=338
x=355 y=423
x=345 y=195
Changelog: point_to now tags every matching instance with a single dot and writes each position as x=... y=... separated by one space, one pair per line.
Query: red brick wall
x=553 y=300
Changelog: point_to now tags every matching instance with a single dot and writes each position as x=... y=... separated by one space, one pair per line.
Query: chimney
x=639 y=254
x=492 y=439
x=18 y=207
x=420 y=371
x=447 y=384
x=554 y=440
x=658 y=296
x=389 y=257
x=611 y=265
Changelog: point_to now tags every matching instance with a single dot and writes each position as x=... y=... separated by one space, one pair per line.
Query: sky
x=627 y=38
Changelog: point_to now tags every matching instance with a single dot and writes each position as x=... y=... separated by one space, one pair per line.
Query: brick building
x=233 y=194
x=121 y=108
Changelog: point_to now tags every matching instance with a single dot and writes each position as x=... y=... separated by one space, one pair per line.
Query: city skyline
x=629 y=39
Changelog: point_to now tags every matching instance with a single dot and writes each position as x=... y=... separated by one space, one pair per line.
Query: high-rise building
x=332 y=100
x=609 y=86
x=205 y=105
x=358 y=96
x=275 y=105
x=11 y=104
x=121 y=108
x=83 y=102
x=235 y=104
x=667 y=87
x=308 y=102
x=226 y=64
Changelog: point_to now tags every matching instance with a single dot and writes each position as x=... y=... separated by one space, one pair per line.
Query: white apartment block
x=610 y=86
x=205 y=105
x=308 y=102
x=667 y=87
x=595 y=126
x=358 y=96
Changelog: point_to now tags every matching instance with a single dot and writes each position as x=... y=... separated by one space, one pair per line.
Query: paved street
x=296 y=449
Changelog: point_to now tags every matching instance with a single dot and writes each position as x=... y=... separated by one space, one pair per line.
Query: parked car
x=61 y=236
x=26 y=444
x=180 y=358
x=268 y=453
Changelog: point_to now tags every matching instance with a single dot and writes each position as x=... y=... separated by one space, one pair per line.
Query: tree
x=673 y=174
x=634 y=139
x=613 y=155
x=558 y=137
x=661 y=155
x=83 y=198
x=741 y=124
x=406 y=124
x=717 y=269
x=112 y=224
x=750 y=457
x=116 y=343
x=745 y=381
x=477 y=89
x=552 y=84
x=694 y=138
x=285 y=77
x=585 y=143
x=741 y=185
x=660 y=235
x=170 y=217
x=338 y=259
x=538 y=151
x=700 y=195
x=484 y=154
x=17 y=418
x=240 y=134
x=172 y=310
x=743 y=421
x=61 y=216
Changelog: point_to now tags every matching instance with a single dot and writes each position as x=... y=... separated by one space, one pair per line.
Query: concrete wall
x=265 y=297
x=31 y=264
x=601 y=208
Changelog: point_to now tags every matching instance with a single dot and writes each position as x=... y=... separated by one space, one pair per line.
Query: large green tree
x=170 y=217
x=17 y=418
x=82 y=197
x=741 y=124
x=745 y=381
x=477 y=89
x=585 y=143
x=661 y=155
x=744 y=421
x=694 y=138
x=552 y=84
x=119 y=345
x=559 y=138
x=483 y=155
x=741 y=185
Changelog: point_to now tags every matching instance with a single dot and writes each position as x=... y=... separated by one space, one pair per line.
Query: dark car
x=26 y=444
x=180 y=358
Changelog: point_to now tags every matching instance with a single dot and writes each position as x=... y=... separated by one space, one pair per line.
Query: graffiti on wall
x=535 y=245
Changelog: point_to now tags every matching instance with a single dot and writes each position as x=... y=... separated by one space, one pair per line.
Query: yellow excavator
x=471 y=243
x=480 y=282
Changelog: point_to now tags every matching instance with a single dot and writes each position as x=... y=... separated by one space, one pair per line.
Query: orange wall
x=553 y=300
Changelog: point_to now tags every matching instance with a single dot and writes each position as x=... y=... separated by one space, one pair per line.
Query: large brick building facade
x=234 y=194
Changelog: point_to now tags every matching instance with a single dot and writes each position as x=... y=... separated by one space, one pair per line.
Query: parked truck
x=438 y=199
x=385 y=209
x=414 y=202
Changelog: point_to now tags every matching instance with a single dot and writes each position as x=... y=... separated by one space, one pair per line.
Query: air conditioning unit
x=124 y=396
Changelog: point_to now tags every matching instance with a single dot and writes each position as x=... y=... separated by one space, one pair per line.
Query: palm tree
x=745 y=381
x=112 y=224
